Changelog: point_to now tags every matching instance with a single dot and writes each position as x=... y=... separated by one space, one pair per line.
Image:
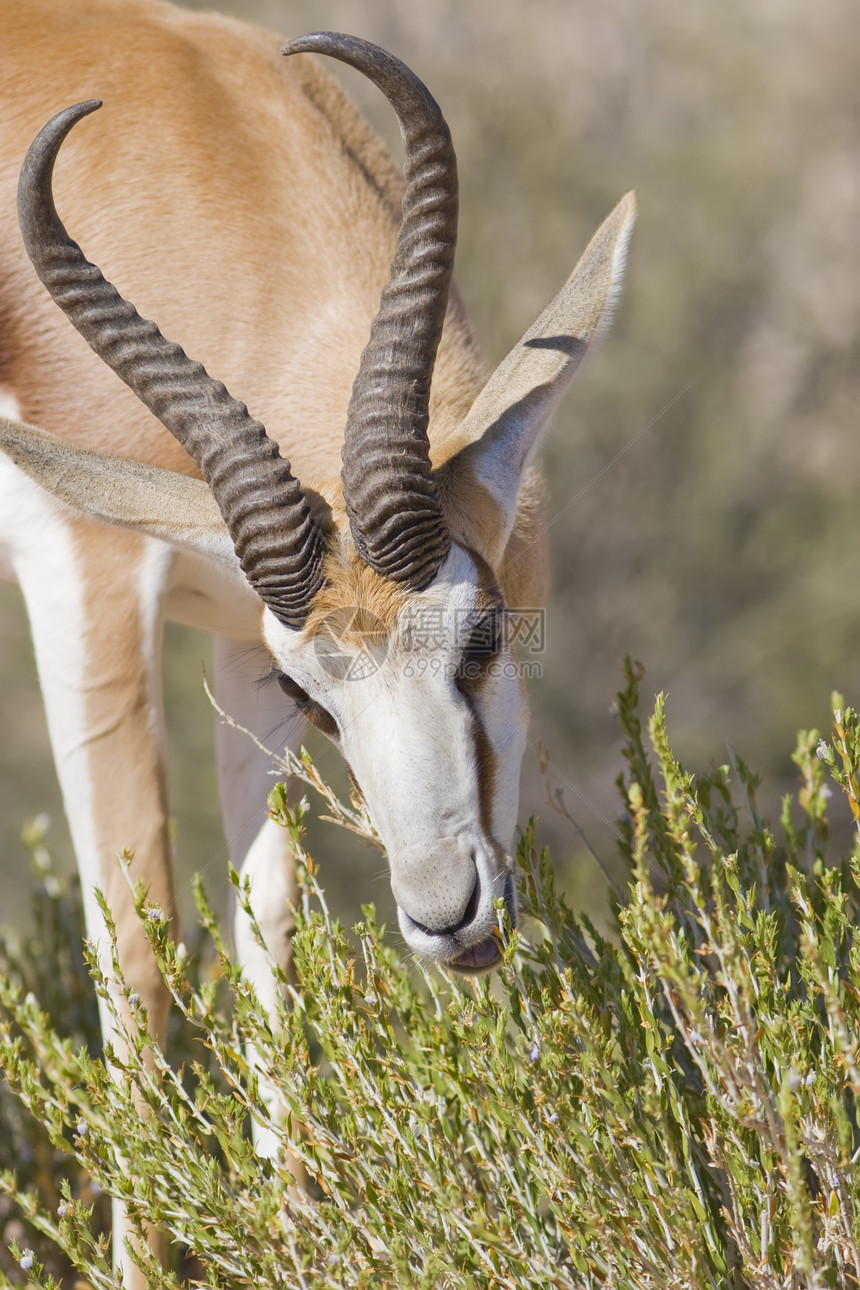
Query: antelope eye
x=485 y=639
x=292 y=689
x=308 y=707
x=481 y=648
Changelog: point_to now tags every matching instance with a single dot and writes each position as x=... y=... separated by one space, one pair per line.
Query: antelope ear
x=505 y=424
x=159 y=503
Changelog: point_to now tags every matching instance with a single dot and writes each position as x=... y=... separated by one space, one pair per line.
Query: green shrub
x=46 y=963
x=674 y=1107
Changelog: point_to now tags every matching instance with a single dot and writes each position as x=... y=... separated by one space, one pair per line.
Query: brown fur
x=282 y=208
x=123 y=749
x=524 y=574
x=252 y=151
x=351 y=585
x=241 y=202
x=486 y=768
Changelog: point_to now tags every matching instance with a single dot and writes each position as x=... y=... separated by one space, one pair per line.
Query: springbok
x=241 y=200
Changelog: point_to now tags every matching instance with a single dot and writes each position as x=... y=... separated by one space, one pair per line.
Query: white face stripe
x=413 y=737
x=407 y=732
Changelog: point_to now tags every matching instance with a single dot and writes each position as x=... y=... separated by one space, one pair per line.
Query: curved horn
x=278 y=544
x=390 y=494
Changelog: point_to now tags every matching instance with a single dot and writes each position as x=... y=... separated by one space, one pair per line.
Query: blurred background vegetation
x=704 y=471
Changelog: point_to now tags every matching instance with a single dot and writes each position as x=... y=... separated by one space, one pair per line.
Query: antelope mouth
x=470 y=949
x=482 y=957
x=486 y=954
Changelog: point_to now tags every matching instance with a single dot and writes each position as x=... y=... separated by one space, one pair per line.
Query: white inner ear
x=158 y=503
x=504 y=426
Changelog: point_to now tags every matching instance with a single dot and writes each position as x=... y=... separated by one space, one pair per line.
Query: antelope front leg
x=259 y=848
x=94 y=599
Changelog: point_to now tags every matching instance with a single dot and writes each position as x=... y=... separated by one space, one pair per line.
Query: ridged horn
x=278 y=544
x=391 y=497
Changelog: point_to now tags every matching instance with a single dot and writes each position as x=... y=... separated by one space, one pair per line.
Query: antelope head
x=383 y=604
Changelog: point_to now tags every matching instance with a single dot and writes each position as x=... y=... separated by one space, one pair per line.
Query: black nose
x=468 y=914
